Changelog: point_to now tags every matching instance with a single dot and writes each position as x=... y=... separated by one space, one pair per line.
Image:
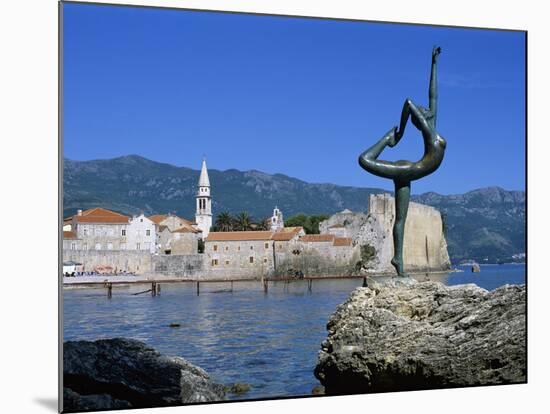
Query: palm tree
x=224 y=222
x=243 y=221
x=264 y=224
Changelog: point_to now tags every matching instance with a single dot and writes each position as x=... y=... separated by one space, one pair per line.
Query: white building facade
x=141 y=234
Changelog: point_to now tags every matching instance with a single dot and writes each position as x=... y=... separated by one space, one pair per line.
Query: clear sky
x=302 y=97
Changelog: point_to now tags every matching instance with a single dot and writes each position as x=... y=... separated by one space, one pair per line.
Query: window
x=214 y=262
x=226 y=248
x=85 y=231
x=280 y=246
x=265 y=259
x=251 y=247
x=141 y=220
x=251 y=258
x=138 y=246
x=148 y=232
x=73 y=246
x=85 y=246
x=227 y=262
x=266 y=245
x=124 y=232
x=239 y=248
x=215 y=248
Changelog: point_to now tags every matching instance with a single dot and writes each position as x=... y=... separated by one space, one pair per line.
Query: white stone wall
x=141 y=234
x=138 y=262
x=184 y=243
x=102 y=236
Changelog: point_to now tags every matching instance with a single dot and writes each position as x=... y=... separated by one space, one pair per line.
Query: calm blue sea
x=269 y=341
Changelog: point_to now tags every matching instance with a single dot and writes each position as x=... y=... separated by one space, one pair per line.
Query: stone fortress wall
x=319 y=257
x=424 y=247
x=185 y=266
x=132 y=261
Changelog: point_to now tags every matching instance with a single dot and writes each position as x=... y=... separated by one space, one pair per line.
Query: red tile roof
x=101 y=215
x=157 y=218
x=342 y=241
x=317 y=238
x=239 y=235
x=69 y=235
x=286 y=234
x=186 y=229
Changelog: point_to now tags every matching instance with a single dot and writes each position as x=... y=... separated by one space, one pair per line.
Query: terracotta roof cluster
x=69 y=235
x=284 y=234
x=336 y=241
x=157 y=218
x=186 y=228
x=315 y=238
x=101 y=215
x=342 y=241
x=239 y=235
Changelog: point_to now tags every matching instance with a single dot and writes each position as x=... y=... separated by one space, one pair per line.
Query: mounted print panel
x=259 y=207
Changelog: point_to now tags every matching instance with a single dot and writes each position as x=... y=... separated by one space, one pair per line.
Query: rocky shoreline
x=407 y=335
x=125 y=373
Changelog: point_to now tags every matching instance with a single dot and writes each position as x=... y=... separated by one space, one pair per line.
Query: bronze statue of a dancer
x=403 y=172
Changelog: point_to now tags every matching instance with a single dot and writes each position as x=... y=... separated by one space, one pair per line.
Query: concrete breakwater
x=397 y=336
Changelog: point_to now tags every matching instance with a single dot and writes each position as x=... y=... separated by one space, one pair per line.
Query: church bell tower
x=203 y=216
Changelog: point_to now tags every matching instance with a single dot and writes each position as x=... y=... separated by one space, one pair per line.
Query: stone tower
x=277 y=222
x=203 y=216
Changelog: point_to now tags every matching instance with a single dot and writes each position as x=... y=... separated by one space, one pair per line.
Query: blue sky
x=302 y=97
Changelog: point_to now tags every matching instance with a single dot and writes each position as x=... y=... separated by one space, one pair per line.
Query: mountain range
x=486 y=225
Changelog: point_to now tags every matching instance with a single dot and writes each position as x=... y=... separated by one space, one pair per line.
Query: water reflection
x=267 y=340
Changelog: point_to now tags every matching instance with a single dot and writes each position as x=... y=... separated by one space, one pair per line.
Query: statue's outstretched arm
x=433 y=82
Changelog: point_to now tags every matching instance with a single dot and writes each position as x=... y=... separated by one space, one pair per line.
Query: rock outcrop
x=125 y=373
x=398 y=336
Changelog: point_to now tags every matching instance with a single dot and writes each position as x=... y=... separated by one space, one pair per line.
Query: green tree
x=309 y=223
x=242 y=222
x=224 y=222
x=264 y=224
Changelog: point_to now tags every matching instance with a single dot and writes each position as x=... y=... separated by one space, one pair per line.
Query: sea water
x=268 y=340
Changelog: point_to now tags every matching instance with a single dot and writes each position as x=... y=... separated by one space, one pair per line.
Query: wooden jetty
x=155 y=283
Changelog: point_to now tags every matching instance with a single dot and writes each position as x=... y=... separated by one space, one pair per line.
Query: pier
x=108 y=282
x=155 y=282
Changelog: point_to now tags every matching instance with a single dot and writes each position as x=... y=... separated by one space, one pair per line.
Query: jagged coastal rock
x=125 y=373
x=396 y=336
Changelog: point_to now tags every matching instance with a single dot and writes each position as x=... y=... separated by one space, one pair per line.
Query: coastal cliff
x=407 y=335
x=125 y=373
